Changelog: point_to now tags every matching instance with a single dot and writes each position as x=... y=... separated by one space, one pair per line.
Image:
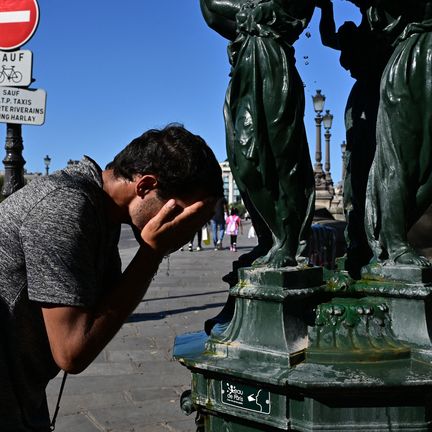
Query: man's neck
x=118 y=194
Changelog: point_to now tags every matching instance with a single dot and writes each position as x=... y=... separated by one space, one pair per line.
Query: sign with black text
x=16 y=68
x=22 y=106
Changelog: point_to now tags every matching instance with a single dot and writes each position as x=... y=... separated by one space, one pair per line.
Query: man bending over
x=62 y=294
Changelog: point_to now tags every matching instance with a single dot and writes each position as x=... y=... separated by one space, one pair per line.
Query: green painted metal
x=354 y=330
x=330 y=357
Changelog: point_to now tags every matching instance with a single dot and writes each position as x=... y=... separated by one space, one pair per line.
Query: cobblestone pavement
x=134 y=385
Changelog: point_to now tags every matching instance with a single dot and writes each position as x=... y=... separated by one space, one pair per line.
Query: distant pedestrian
x=233 y=224
x=218 y=223
x=198 y=235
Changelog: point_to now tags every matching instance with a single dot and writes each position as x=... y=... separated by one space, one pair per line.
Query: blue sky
x=115 y=69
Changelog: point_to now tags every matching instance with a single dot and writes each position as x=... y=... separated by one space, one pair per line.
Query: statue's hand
x=253 y=15
x=322 y=4
x=263 y=12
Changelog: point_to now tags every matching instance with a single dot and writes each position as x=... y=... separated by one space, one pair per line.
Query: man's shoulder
x=78 y=183
x=55 y=197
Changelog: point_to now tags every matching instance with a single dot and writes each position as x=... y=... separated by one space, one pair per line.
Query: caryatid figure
x=400 y=182
x=364 y=52
x=264 y=108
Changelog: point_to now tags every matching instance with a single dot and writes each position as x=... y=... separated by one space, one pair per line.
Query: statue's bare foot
x=265 y=258
x=256 y=253
x=261 y=261
x=277 y=258
x=282 y=259
x=411 y=258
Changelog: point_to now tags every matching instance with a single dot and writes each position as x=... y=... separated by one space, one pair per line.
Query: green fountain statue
x=364 y=51
x=400 y=183
x=264 y=108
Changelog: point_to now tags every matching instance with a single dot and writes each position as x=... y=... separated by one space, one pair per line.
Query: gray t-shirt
x=57 y=246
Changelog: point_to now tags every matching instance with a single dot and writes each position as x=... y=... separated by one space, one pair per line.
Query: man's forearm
x=121 y=301
x=77 y=336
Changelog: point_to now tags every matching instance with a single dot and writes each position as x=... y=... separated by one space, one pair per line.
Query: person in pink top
x=233 y=224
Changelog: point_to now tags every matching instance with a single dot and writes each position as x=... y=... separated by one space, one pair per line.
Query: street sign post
x=22 y=106
x=18 y=22
x=16 y=68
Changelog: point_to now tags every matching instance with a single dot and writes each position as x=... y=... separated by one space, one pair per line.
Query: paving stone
x=109 y=368
x=79 y=404
x=82 y=385
x=187 y=425
x=75 y=423
x=136 y=355
x=171 y=394
x=163 y=427
x=133 y=343
x=148 y=413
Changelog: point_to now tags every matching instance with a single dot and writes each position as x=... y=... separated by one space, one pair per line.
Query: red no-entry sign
x=18 y=22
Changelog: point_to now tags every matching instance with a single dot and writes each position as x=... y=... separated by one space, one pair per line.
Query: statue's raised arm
x=220 y=15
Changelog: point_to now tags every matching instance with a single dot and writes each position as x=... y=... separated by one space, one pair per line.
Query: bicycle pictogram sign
x=15 y=68
x=9 y=74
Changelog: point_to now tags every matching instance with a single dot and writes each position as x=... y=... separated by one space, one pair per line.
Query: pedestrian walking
x=233 y=225
x=198 y=235
x=218 y=223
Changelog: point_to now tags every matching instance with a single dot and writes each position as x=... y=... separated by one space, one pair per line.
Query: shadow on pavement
x=171 y=297
x=154 y=316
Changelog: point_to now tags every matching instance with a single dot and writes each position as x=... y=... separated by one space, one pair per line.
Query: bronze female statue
x=264 y=109
x=400 y=183
x=364 y=52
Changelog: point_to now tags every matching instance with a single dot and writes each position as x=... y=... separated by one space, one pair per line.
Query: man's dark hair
x=181 y=161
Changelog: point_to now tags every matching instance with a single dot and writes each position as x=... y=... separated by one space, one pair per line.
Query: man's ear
x=145 y=184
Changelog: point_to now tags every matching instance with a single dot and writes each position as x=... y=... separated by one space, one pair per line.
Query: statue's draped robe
x=264 y=111
x=400 y=183
x=364 y=53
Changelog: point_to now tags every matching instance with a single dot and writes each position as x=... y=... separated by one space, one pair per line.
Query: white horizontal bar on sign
x=14 y=17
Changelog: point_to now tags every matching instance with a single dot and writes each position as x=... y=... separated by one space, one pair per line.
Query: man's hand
x=174 y=225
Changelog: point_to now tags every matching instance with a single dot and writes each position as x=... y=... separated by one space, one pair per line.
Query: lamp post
x=13 y=161
x=343 y=150
x=327 y=122
x=47 y=161
x=318 y=104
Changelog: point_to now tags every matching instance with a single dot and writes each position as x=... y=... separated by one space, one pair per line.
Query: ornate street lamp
x=344 y=162
x=327 y=120
x=318 y=104
x=47 y=161
x=327 y=123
